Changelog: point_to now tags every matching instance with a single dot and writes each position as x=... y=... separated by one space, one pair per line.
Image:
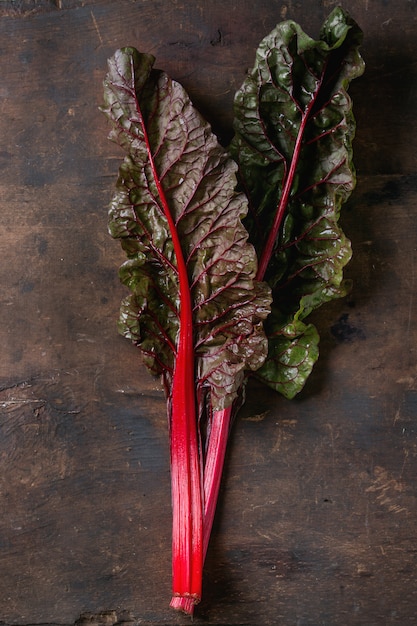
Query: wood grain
x=317 y=515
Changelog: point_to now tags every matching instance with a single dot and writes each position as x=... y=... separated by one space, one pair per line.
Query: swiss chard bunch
x=228 y=251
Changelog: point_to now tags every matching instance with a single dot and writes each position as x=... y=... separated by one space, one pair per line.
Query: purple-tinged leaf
x=198 y=180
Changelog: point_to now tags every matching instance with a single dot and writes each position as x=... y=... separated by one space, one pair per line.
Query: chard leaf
x=173 y=162
x=294 y=128
x=293 y=350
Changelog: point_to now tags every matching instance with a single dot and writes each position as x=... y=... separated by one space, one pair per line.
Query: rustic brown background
x=317 y=519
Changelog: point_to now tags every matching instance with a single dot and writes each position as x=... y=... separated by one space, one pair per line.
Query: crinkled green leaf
x=154 y=120
x=294 y=128
x=293 y=350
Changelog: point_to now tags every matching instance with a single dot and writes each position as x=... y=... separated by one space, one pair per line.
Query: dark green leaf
x=294 y=128
x=293 y=350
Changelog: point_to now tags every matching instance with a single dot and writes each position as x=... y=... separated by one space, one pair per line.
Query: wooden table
x=317 y=518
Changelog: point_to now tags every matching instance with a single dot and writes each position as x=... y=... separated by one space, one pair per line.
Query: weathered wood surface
x=317 y=520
